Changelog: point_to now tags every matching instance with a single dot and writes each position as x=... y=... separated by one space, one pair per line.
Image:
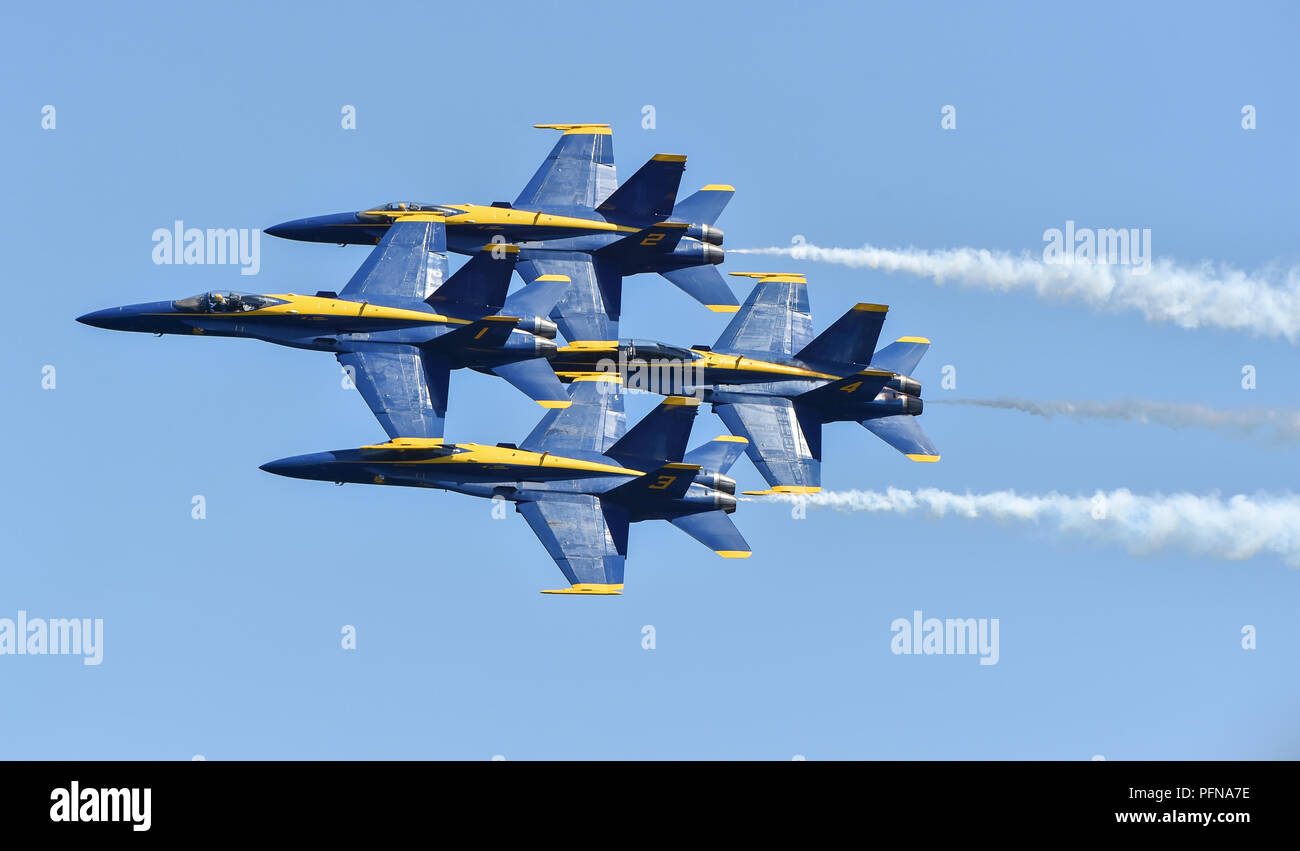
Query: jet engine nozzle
x=545 y=348
x=903 y=384
x=717 y=481
x=713 y=255
x=725 y=501
x=540 y=326
x=705 y=233
x=912 y=405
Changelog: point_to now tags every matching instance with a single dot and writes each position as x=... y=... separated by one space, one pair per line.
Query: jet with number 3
x=579 y=479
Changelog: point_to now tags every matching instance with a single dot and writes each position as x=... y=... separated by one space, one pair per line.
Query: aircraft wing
x=579 y=171
x=593 y=422
x=407 y=391
x=409 y=262
x=590 y=309
x=586 y=537
x=775 y=318
x=785 y=441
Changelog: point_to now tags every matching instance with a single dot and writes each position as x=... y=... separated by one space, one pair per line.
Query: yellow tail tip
x=929 y=459
x=734 y=553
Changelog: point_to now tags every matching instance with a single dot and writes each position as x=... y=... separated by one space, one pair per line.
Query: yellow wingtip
x=913 y=340
x=734 y=553
x=718 y=187
x=553 y=403
x=590 y=589
x=723 y=308
x=928 y=459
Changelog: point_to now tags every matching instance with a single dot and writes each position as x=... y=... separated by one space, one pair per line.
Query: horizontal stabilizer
x=851 y=339
x=647 y=195
x=904 y=433
x=660 y=436
x=705 y=206
x=537 y=380
x=715 y=530
x=901 y=356
x=706 y=285
x=718 y=454
x=479 y=287
x=539 y=297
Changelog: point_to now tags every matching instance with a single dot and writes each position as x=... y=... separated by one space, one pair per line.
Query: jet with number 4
x=574 y=219
x=774 y=384
x=399 y=327
x=579 y=479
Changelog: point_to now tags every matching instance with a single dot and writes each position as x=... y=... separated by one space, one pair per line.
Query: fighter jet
x=771 y=382
x=574 y=219
x=579 y=479
x=399 y=326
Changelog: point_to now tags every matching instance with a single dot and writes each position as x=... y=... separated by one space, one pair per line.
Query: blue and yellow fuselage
x=537 y=233
x=735 y=377
x=321 y=322
x=499 y=471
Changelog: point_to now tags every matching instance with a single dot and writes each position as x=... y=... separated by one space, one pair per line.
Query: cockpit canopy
x=412 y=207
x=650 y=350
x=224 y=301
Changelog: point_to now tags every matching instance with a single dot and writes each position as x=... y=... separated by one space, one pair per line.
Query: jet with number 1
x=574 y=219
x=399 y=326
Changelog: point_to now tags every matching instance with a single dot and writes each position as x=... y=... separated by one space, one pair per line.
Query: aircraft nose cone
x=300 y=466
x=113 y=318
x=283 y=467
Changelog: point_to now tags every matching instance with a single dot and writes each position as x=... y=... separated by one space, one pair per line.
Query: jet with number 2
x=399 y=326
x=574 y=219
x=579 y=479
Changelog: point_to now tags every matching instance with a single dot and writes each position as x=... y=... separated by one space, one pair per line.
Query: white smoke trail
x=1189 y=296
x=1236 y=528
x=1279 y=424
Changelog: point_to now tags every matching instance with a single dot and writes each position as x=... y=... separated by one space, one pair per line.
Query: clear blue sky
x=222 y=636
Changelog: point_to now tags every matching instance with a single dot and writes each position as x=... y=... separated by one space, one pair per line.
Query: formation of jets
x=402 y=324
